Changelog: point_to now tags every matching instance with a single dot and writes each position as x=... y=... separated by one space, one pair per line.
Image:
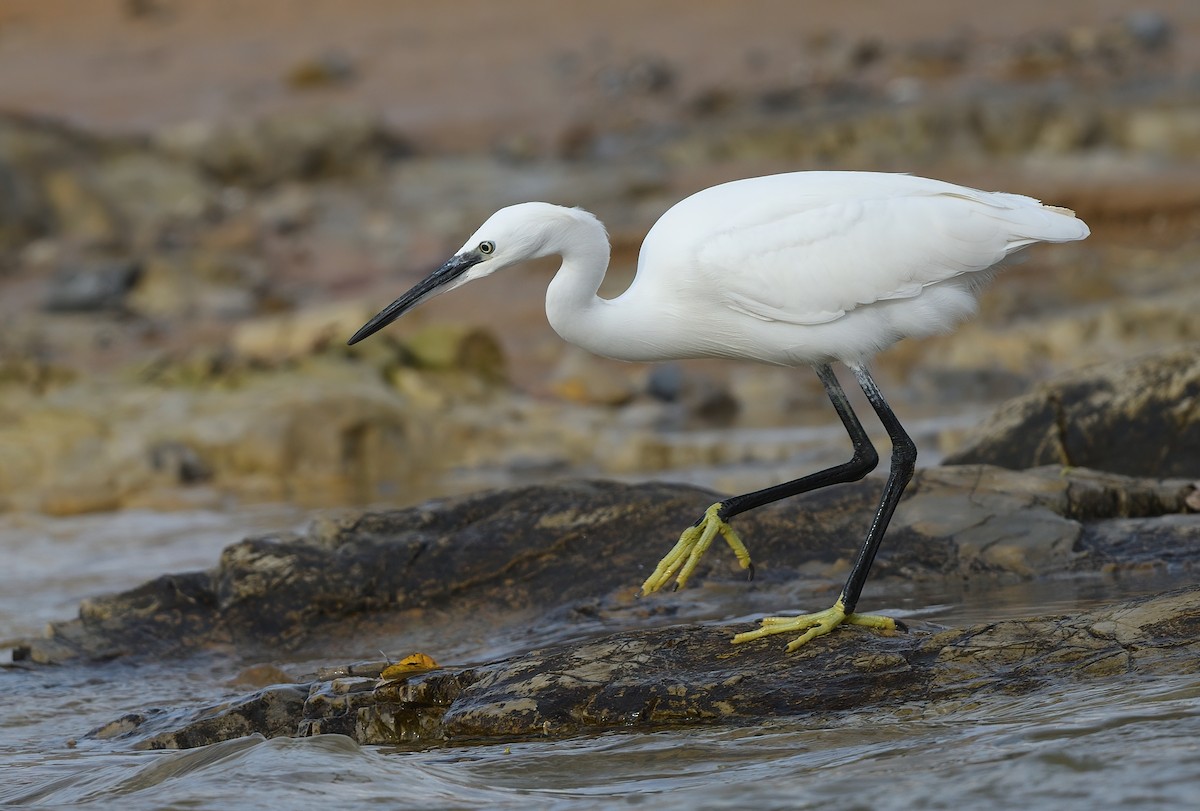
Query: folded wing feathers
x=811 y=267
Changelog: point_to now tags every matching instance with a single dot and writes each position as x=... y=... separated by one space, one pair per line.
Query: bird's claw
x=683 y=558
x=818 y=624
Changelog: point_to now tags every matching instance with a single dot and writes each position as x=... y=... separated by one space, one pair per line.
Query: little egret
x=806 y=268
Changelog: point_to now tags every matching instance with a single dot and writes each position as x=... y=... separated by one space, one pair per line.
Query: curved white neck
x=628 y=327
x=574 y=309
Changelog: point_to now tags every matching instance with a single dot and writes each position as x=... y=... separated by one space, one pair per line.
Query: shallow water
x=1131 y=743
x=1110 y=745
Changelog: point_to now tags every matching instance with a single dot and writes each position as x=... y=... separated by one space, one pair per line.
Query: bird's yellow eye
x=487 y=247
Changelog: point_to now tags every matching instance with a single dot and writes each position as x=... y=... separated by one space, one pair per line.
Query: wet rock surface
x=687 y=676
x=1139 y=417
x=586 y=546
x=568 y=559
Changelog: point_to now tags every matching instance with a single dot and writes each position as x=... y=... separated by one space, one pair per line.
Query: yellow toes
x=681 y=561
x=815 y=625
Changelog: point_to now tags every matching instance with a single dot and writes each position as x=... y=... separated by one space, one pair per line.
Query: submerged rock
x=1137 y=417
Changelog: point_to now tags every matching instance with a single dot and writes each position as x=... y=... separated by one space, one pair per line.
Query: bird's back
x=813 y=266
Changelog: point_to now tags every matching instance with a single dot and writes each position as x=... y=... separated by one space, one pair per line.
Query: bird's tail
x=1035 y=221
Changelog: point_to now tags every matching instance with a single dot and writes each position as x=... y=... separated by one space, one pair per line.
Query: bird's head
x=511 y=235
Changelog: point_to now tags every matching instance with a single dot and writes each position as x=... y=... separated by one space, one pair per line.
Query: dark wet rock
x=701 y=400
x=689 y=675
x=1137 y=417
x=666 y=382
x=180 y=462
x=1149 y=29
x=270 y=712
x=92 y=286
x=581 y=549
x=30 y=151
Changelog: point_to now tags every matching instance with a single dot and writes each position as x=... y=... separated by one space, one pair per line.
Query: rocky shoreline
x=686 y=677
x=176 y=301
x=566 y=559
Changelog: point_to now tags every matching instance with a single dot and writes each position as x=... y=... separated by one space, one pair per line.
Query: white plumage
x=812 y=266
x=792 y=269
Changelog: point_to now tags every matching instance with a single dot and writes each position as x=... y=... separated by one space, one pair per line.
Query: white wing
x=808 y=247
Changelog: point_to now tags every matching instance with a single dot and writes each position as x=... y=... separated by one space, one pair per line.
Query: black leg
x=863 y=462
x=904 y=461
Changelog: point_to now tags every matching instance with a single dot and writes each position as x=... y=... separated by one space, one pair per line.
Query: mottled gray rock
x=1137 y=417
x=90 y=286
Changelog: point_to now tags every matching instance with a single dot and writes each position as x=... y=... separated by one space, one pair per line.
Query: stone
x=321 y=71
x=546 y=548
x=79 y=211
x=150 y=193
x=89 y=286
x=1149 y=29
x=275 y=339
x=683 y=676
x=1165 y=131
x=586 y=379
x=269 y=712
x=457 y=347
x=295 y=145
x=1138 y=417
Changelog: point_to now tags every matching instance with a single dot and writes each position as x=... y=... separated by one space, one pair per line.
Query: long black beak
x=427 y=288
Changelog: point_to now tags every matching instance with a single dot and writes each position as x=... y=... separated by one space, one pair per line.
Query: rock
x=584 y=378
x=42 y=169
x=321 y=71
x=24 y=213
x=92 y=285
x=935 y=58
x=323 y=430
x=1149 y=29
x=666 y=382
x=1139 y=417
x=286 y=146
x=275 y=339
x=290 y=208
x=550 y=548
x=79 y=211
x=228 y=286
x=270 y=712
x=150 y=193
x=1163 y=131
x=703 y=401
x=457 y=347
x=646 y=76
x=684 y=676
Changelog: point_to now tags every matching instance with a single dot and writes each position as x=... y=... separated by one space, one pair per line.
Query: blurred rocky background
x=200 y=200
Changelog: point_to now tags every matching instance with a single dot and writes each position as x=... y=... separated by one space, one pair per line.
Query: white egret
x=806 y=268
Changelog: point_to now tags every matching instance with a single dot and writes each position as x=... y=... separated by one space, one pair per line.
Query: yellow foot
x=815 y=625
x=693 y=543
